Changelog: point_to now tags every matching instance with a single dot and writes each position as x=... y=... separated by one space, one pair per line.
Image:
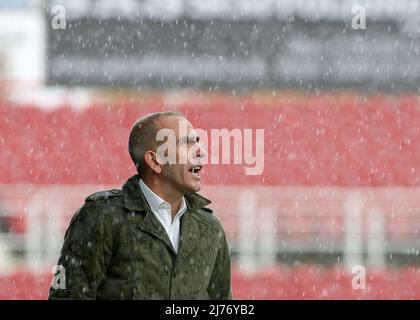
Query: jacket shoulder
x=206 y=216
x=206 y=210
x=104 y=195
x=97 y=207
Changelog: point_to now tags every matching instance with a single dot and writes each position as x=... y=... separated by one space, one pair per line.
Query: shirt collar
x=134 y=199
x=156 y=203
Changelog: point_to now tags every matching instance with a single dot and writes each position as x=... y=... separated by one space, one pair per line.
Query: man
x=155 y=238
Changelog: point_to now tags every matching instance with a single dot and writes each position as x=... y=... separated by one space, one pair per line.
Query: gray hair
x=143 y=137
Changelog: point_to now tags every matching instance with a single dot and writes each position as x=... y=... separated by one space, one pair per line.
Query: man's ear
x=151 y=161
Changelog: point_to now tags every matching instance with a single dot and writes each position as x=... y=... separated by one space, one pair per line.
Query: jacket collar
x=191 y=228
x=134 y=199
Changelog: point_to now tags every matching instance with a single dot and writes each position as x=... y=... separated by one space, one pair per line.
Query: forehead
x=175 y=123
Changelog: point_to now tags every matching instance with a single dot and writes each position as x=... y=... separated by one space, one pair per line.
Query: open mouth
x=196 y=170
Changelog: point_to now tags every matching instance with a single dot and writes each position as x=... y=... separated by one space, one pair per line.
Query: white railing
x=260 y=222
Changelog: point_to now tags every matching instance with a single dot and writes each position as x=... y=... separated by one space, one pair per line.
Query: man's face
x=184 y=175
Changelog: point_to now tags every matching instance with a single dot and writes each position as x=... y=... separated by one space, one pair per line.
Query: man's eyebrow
x=194 y=137
x=183 y=139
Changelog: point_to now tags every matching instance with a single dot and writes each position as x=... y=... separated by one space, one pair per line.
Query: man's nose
x=201 y=152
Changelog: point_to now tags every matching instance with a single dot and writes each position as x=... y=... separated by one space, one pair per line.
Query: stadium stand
x=315 y=146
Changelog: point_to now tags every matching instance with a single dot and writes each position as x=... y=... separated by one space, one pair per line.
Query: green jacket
x=115 y=248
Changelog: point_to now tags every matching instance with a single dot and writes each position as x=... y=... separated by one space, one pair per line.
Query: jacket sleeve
x=220 y=282
x=84 y=256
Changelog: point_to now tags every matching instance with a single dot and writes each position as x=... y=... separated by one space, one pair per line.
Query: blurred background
x=335 y=213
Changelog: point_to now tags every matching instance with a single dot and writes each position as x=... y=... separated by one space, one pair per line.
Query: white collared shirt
x=162 y=211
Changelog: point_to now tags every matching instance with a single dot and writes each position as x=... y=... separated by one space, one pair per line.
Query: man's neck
x=167 y=193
